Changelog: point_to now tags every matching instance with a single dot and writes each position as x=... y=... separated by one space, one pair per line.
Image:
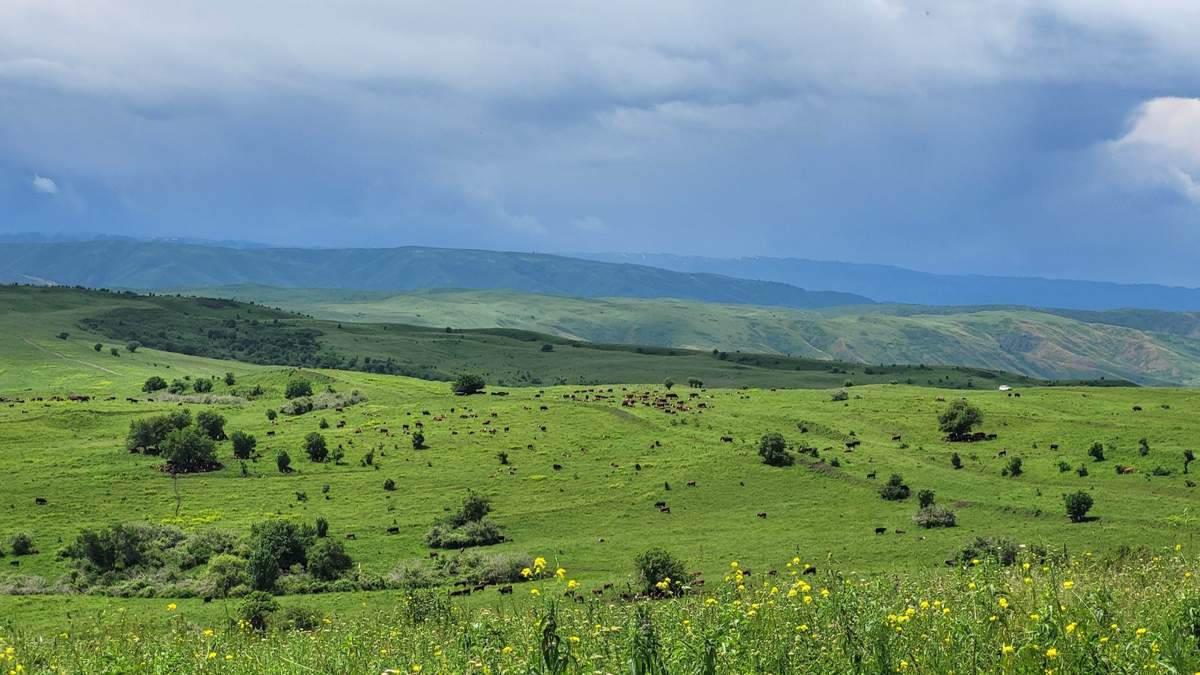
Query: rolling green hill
x=138 y=264
x=226 y=329
x=1144 y=346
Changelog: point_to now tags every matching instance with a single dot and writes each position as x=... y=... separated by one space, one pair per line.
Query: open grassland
x=1080 y=615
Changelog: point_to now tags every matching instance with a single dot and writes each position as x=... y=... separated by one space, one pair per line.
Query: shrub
x=154 y=383
x=470 y=526
x=468 y=384
x=895 y=489
x=1096 y=452
x=202 y=385
x=322 y=527
x=187 y=450
x=668 y=383
x=298 y=388
x=1188 y=458
x=230 y=380
x=389 y=485
x=328 y=560
x=839 y=395
x=935 y=516
x=177 y=387
x=243 y=444
x=323 y=424
x=1014 y=467
x=315 y=448
x=98 y=347
x=1003 y=551
x=63 y=335
x=132 y=347
x=772 y=448
x=659 y=573
x=418 y=440
x=1143 y=447
x=113 y=351
x=21 y=544
x=224 y=573
x=1161 y=471
x=275 y=545
x=959 y=419
x=1082 y=471
x=271 y=414
x=695 y=382
x=212 y=424
x=296 y=618
x=503 y=457
x=1063 y=467
x=1078 y=504
x=283 y=462
x=547 y=347
x=925 y=498
x=256 y=608
x=956 y=461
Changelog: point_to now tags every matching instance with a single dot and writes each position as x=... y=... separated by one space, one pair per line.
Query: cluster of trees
x=188 y=445
x=469 y=526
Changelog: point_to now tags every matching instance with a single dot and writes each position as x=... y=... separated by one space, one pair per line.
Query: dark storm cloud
x=1054 y=138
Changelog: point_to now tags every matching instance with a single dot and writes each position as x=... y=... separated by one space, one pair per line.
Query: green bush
x=202 y=385
x=839 y=395
x=1014 y=467
x=925 y=498
x=256 y=608
x=296 y=618
x=283 y=462
x=659 y=573
x=153 y=383
x=224 y=573
x=895 y=489
x=21 y=544
x=243 y=444
x=188 y=450
x=956 y=461
x=772 y=448
x=328 y=560
x=468 y=384
x=212 y=424
x=315 y=448
x=389 y=485
x=230 y=380
x=322 y=527
x=1096 y=452
x=271 y=414
x=1078 y=504
x=470 y=526
x=959 y=419
x=418 y=440
x=298 y=388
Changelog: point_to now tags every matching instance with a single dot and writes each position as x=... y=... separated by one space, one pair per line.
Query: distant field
x=597 y=511
x=1153 y=348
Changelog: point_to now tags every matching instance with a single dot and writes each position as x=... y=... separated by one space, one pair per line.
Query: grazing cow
x=461 y=591
x=1002 y=453
x=1054 y=446
x=762 y=514
x=659 y=504
x=853 y=444
x=691 y=483
x=871 y=475
x=895 y=437
x=810 y=570
x=557 y=467
x=40 y=501
x=665 y=509
x=1137 y=408
x=727 y=439
x=597 y=591
x=899 y=531
x=880 y=530
x=350 y=535
x=393 y=530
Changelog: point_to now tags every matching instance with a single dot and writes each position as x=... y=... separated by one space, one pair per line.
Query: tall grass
x=1136 y=613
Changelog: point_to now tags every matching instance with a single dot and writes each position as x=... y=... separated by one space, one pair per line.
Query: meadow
x=583 y=473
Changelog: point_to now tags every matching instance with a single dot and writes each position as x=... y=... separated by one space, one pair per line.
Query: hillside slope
x=151 y=265
x=887 y=283
x=1143 y=346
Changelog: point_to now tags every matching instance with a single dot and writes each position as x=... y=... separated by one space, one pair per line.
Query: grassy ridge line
x=1153 y=348
x=1077 y=615
x=230 y=330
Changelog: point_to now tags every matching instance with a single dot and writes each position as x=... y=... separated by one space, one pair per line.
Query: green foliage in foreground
x=1124 y=615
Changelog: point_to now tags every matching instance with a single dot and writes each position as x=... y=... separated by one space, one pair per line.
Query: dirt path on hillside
x=64 y=357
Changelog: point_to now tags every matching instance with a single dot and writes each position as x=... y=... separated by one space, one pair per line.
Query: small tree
x=839 y=396
x=132 y=347
x=271 y=414
x=22 y=544
x=389 y=485
x=243 y=444
x=956 y=461
x=418 y=440
x=177 y=386
x=1143 y=447
x=98 y=347
x=772 y=448
x=188 y=450
x=468 y=384
x=230 y=380
x=298 y=388
x=202 y=385
x=257 y=607
x=1078 y=504
x=1188 y=458
x=925 y=498
x=315 y=448
x=154 y=383
x=659 y=573
x=212 y=424
x=113 y=351
x=668 y=383
x=1014 y=467
x=695 y=382
x=959 y=419
x=283 y=462
x=328 y=560
x=895 y=489
x=1096 y=452
x=322 y=526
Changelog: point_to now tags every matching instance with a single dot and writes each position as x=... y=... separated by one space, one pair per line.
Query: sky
x=1056 y=138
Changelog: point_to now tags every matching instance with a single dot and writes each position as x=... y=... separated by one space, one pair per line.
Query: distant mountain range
x=885 y=283
x=122 y=263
